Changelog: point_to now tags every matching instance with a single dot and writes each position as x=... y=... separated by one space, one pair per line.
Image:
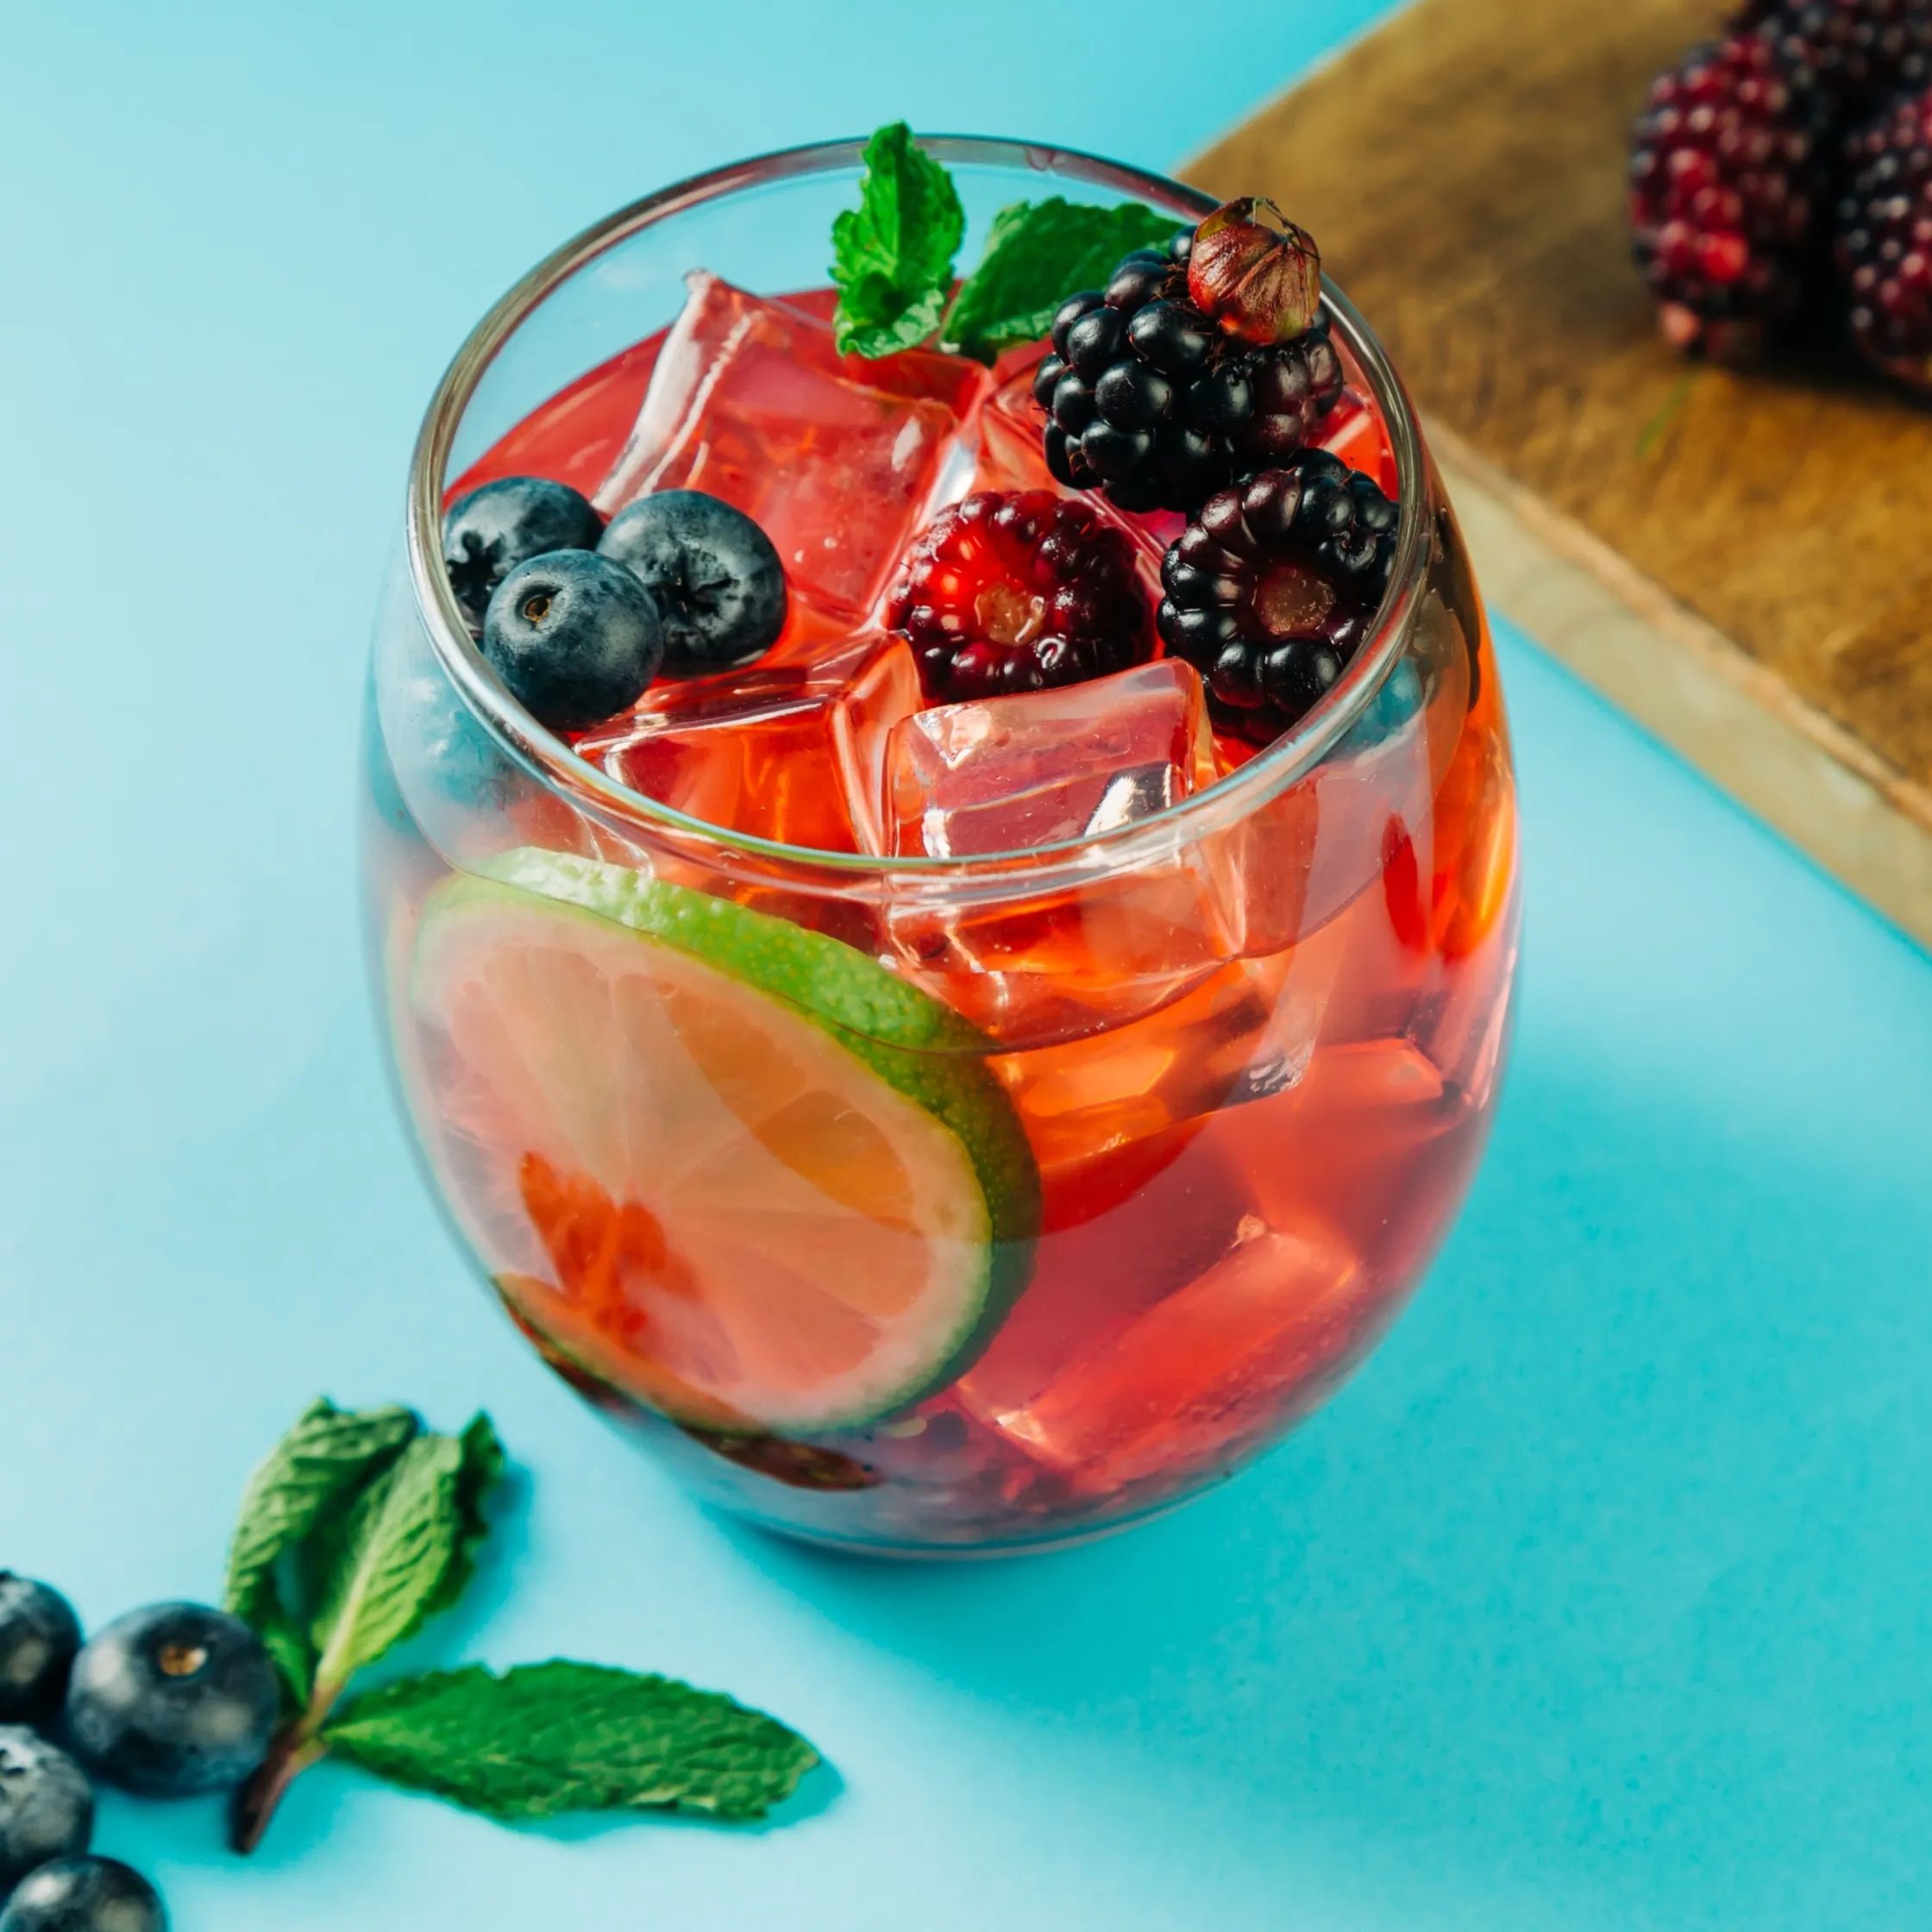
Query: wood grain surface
x=1742 y=559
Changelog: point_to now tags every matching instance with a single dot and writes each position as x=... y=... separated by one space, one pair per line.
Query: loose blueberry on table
x=47 y=1805
x=173 y=1700
x=84 y=1895
x=39 y=1635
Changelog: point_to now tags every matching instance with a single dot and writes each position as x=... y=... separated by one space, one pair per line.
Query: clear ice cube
x=1009 y=774
x=1250 y=1342
x=840 y=463
x=793 y=753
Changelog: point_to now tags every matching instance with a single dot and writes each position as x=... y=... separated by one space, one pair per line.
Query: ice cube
x=751 y=401
x=788 y=752
x=1008 y=774
x=1034 y=968
x=1253 y=1340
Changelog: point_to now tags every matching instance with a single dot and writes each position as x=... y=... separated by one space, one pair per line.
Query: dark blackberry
x=1004 y=593
x=1884 y=242
x=1858 y=53
x=1151 y=399
x=1271 y=589
x=1727 y=195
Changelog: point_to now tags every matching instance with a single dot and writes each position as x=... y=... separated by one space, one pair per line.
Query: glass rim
x=549 y=760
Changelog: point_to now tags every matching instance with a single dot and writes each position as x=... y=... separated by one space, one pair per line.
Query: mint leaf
x=402 y=1552
x=1037 y=254
x=548 y=1738
x=322 y=1462
x=892 y=256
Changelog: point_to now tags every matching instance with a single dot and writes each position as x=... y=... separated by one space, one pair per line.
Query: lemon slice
x=733 y=1167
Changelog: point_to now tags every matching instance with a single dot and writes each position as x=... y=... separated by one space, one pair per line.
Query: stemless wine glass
x=925 y=1205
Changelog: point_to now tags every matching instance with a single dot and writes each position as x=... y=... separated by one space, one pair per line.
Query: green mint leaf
x=402 y=1552
x=548 y=1738
x=892 y=256
x=316 y=1470
x=1037 y=254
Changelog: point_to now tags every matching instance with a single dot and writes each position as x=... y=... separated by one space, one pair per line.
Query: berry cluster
x=577 y=616
x=1004 y=593
x=1153 y=397
x=1781 y=179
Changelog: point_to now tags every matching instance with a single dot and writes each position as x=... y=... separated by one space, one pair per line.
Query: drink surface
x=1252 y=1078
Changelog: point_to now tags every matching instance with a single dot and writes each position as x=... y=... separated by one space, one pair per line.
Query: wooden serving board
x=1742 y=561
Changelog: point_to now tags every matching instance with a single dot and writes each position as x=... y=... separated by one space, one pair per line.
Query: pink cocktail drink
x=943 y=1118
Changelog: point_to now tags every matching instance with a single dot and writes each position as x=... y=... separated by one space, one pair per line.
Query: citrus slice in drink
x=734 y=1168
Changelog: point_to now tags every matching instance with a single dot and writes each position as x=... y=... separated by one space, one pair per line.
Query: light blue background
x=1596 y=1601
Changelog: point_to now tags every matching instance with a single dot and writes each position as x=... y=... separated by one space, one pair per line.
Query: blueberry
x=47 y=1805
x=173 y=1699
x=713 y=574
x=84 y=1895
x=575 y=635
x=39 y=1635
x=488 y=533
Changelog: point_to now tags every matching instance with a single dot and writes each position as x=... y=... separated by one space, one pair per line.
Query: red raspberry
x=1726 y=194
x=1018 y=593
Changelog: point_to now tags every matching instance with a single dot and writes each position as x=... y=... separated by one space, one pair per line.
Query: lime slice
x=735 y=1167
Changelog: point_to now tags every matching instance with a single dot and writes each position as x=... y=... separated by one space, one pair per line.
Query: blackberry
x=1272 y=588
x=1727 y=195
x=1858 y=53
x=1018 y=593
x=1884 y=242
x=1153 y=400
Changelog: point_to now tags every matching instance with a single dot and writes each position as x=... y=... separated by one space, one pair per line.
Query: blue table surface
x=1596 y=1600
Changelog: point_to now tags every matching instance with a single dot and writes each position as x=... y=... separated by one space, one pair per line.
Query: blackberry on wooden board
x=1728 y=195
x=1859 y=54
x=1884 y=242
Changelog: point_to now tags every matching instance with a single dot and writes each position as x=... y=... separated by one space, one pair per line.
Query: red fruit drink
x=1252 y=1067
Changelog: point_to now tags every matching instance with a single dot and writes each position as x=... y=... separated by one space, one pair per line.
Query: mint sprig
x=892 y=258
x=355 y=1531
x=1037 y=254
x=548 y=1738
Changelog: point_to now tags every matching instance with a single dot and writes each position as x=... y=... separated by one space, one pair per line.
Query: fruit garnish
x=487 y=533
x=1150 y=399
x=357 y=1528
x=47 y=1805
x=1254 y=273
x=820 y=1198
x=576 y=637
x=713 y=573
x=893 y=257
x=1885 y=220
x=1271 y=589
x=1011 y=593
x=1726 y=192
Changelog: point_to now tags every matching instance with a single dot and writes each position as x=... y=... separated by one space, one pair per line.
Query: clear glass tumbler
x=1208 y=1088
